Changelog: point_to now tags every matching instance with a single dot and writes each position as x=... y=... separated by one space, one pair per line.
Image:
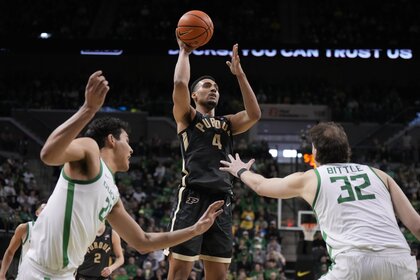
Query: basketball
x=195 y=28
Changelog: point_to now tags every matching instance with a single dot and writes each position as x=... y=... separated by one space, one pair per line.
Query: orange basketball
x=195 y=28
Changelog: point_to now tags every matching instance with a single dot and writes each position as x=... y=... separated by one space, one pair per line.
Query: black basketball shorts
x=215 y=244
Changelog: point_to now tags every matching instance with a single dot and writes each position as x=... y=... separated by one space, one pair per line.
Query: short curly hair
x=99 y=129
x=195 y=83
x=331 y=142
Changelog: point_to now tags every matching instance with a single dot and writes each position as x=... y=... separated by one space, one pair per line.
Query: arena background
x=346 y=61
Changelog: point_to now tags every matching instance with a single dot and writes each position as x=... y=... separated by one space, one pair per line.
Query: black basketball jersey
x=97 y=256
x=205 y=142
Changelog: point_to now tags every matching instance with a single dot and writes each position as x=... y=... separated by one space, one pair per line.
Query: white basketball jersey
x=354 y=210
x=69 y=222
x=27 y=240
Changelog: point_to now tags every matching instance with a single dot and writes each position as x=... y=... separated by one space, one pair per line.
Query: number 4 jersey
x=205 y=142
x=355 y=210
x=69 y=223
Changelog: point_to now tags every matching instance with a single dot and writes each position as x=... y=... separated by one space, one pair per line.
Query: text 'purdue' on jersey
x=205 y=142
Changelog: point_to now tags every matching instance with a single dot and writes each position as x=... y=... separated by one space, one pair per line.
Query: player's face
x=123 y=152
x=208 y=93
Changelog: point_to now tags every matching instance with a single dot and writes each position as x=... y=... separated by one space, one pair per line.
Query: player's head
x=330 y=143
x=112 y=133
x=205 y=92
x=39 y=207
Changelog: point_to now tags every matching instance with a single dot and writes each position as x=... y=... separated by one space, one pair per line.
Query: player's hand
x=235 y=165
x=182 y=46
x=106 y=272
x=207 y=220
x=235 y=63
x=96 y=90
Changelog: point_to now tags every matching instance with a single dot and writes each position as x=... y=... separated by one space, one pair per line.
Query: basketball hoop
x=309 y=230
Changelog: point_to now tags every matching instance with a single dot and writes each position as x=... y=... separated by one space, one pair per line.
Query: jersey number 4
x=216 y=141
x=352 y=190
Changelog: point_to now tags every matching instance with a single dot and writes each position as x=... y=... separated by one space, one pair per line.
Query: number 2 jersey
x=97 y=256
x=355 y=211
x=68 y=224
x=205 y=142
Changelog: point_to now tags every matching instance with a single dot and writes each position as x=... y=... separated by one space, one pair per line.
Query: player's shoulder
x=22 y=228
x=87 y=142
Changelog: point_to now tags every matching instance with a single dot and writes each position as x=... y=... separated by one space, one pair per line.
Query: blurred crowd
x=303 y=21
x=348 y=103
x=147 y=192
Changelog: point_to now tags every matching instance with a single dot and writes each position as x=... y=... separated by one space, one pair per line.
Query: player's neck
x=205 y=111
x=107 y=157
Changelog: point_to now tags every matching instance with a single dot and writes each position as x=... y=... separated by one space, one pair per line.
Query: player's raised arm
x=60 y=146
x=181 y=94
x=244 y=120
x=145 y=242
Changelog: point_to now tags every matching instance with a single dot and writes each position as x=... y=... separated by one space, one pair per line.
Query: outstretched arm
x=244 y=120
x=287 y=187
x=61 y=146
x=119 y=256
x=11 y=250
x=181 y=94
x=145 y=242
x=403 y=208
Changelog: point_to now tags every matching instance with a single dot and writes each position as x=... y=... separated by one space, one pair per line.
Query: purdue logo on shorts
x=192 y=200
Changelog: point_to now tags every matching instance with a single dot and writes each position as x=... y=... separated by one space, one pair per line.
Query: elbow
x=46 y=156
x=142 y=250
x=180 y=83
x=255 y=116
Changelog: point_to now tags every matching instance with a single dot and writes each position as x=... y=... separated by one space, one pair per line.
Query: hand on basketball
x=96 y=90
x=235 y=165
x=207 y=220
x=235 y=63
x=183 y=46
x=106 y=272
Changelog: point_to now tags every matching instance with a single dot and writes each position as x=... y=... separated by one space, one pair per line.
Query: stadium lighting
x=45 y=35
x=273 y=152
x=291 y=153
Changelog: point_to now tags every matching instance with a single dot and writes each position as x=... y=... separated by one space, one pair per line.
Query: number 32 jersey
x=205 y=142
x=354 y=210
x=69 y=223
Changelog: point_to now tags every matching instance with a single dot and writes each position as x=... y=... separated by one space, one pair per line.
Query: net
x=309 y=230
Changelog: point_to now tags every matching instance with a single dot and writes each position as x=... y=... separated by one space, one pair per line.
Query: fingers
x=229 y=64
x=227 y=163
x=216 y=205
x=231 y=158
x=218 y=212
x=250 y=163
x=235 y=50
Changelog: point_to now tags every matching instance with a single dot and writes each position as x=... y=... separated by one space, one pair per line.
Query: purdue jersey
x=205 y=142
x=97 y=256
x=355 y=210
x=27 y=241
x=70 y=221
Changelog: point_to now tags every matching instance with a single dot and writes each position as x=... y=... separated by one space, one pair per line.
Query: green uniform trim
x=82 y=182
x=67 y=222
x=27 y=233
x=373 y=171
x=318 y=187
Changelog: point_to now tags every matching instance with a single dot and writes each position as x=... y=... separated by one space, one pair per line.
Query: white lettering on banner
x=310 y=53
x=295 y=112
